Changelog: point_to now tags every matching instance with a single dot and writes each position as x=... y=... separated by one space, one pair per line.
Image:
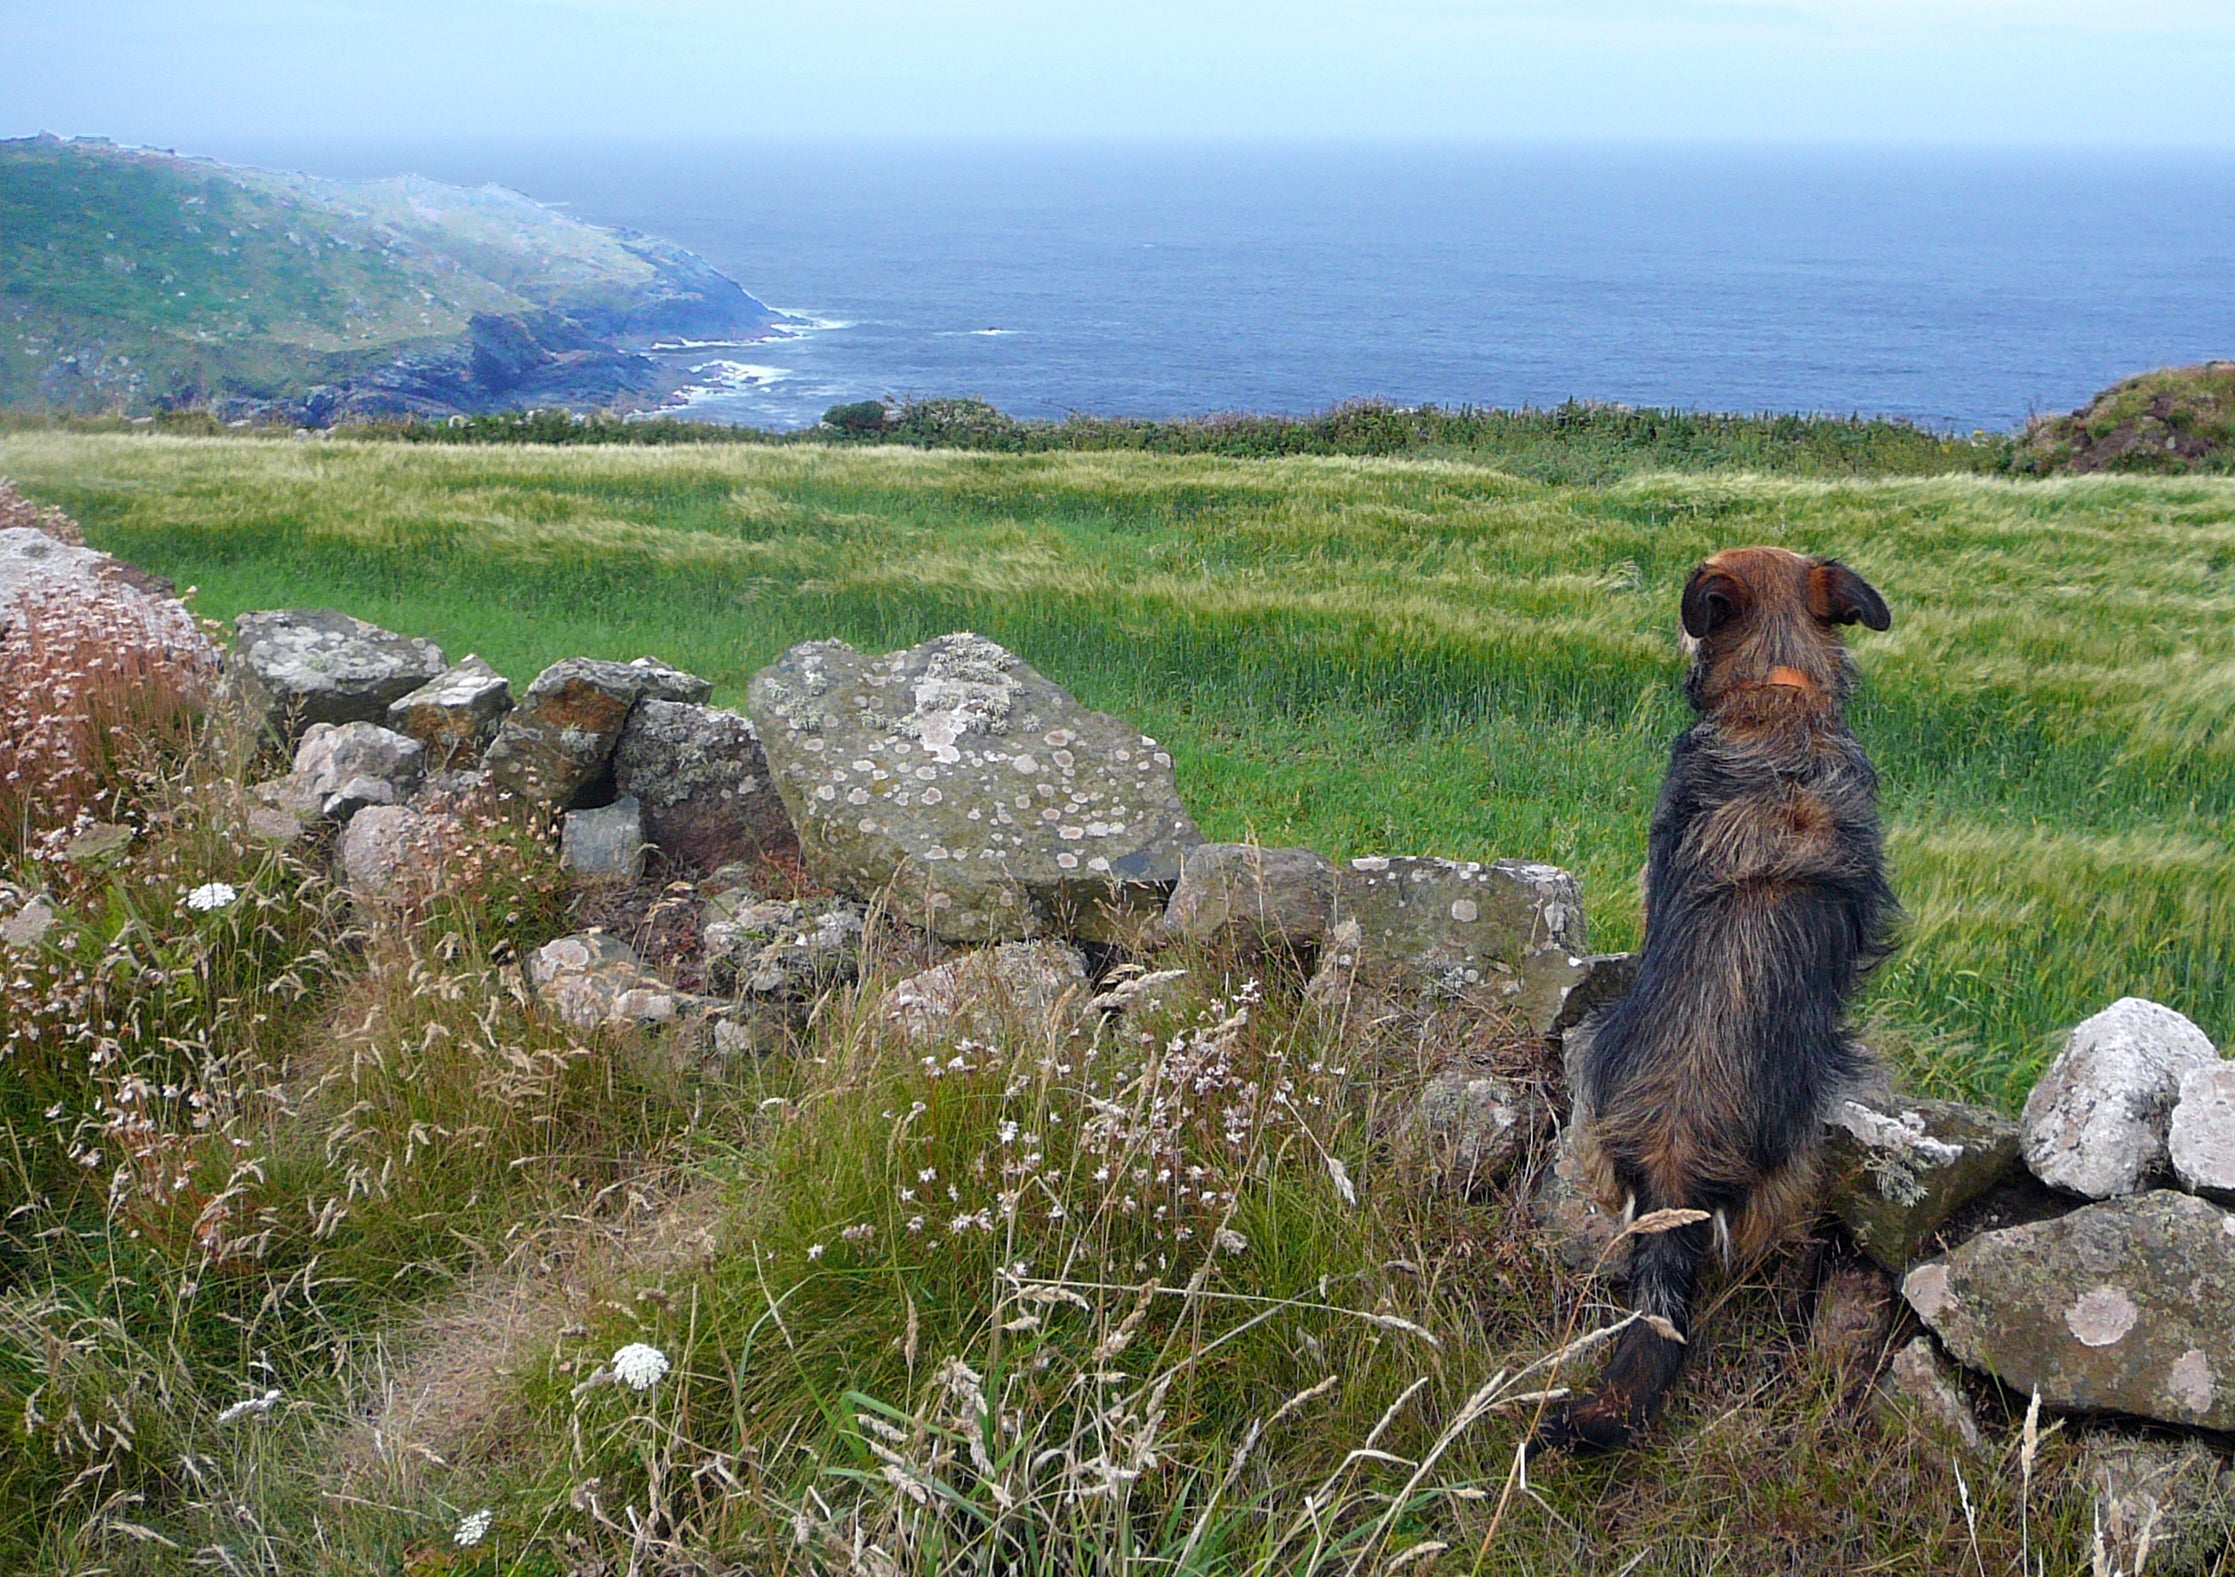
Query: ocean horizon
x=1959 y=289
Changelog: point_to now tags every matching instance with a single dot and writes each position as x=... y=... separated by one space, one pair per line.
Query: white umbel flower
x=211 y=895
x=639 y=1366
x=473 y=1527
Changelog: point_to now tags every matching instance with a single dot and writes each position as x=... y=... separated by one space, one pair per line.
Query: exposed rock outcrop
x=556 y=746
x=977 y=798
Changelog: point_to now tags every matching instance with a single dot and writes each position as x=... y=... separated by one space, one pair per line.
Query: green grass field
x=316 y=1227
x=1369 y=656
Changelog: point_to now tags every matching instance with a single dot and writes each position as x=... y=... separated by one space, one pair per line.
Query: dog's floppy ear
x=1712 y=598
x=1837 y=595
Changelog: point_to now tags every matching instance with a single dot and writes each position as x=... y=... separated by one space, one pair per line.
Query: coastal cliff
x=138 y=280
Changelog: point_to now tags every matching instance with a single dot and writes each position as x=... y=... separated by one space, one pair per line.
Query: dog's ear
x=1837 y=595
x=1712 y=598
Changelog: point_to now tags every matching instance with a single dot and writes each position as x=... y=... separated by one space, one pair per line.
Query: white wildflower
x=211 y=895
x=473 y=1528
x=1229 y=1241
x=814 y=1251
x=639 y=1366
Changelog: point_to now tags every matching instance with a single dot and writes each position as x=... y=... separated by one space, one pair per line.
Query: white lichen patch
x=2101 y=1316
x=2190 y=1383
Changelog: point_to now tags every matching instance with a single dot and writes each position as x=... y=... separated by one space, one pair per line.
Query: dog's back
x=1705 y=1086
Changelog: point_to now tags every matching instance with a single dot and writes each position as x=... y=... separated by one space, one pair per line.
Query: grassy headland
x=1367 y=656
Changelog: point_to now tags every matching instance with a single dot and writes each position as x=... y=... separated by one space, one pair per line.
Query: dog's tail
x=1664 y=1280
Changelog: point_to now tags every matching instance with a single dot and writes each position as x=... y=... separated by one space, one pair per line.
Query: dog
x=1705 y=1086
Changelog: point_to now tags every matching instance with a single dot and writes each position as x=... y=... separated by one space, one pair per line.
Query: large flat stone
x=301 y=666
x=556 y=746
x=2096 y=1122
x=973 y=795
x=1512 y=931
x=2126 y=1306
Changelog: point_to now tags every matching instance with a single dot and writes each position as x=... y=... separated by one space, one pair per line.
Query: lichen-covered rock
x=304 y=666
x=1026 y=985
x=793 y=949
x=1897 y=1172
x=2096 y=1122
x=704 y=785
x=2200 y=1140
x=2126 y=1306
x=1473 y=1128
x=1512 y=931
x=605 y=844
x=593 y=979
x=389 y=849
x=1919 y=1378
x=455 y=714
x=347 y=766
x=556 y=746
x=973 y=795
x=1253 y=899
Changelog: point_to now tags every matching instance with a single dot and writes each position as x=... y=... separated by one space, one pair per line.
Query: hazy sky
x=200 y=75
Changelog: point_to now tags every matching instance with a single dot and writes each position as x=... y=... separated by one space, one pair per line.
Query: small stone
x=351 y=765
x=28 y=926
x=455 y=714
x=1579 y=1232
x=270 y=824
x=556 y=746
x=305 y=666
x=384 y=842
x=781 y=948
x=1025 y=985
x=2201 y=1139
x=1474 y=1128
x=590 y=978
x=2125 y=1306
x=756 y=1029
x=1920 y=1379
x=1896 y=1173
x=1853 y=1316
x=606 y=844
x=2096 y=1122
x=101 y=844
x=1253 y=899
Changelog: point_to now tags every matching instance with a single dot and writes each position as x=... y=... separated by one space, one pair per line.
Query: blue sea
x=1962 y=290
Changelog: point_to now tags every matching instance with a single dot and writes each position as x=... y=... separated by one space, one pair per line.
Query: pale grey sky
x=196 y=74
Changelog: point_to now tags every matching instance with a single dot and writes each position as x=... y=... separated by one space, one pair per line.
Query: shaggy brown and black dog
x=1706 y=1086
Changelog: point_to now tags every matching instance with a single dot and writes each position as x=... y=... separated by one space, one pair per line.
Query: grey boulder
x=971 y=794
x=347 y=766
x=556 y=746
x=2200 y=1140
x=303 y=666
x=2096 y=1122
x=1512 y=932
x=455 y=714
x=1897 y=1171
x=1253 y=899
x=703 y=782
x=780 y=948
x=1034 y=987
x=1918 y=1379
x=1472 y=1128
x=592 y=979
x=2126 y=1306
x=605 y=844
x=385 y=846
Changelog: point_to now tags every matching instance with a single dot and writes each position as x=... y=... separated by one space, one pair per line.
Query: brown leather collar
x=1789 y=679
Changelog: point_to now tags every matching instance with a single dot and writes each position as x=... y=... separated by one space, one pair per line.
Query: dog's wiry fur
x=1705 y=1087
